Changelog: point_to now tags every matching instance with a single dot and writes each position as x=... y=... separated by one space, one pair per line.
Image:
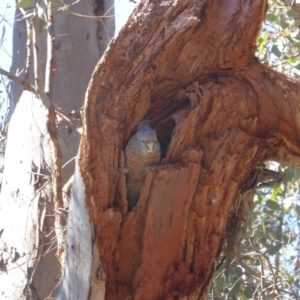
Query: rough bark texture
x=188 y=67
x=29 y=266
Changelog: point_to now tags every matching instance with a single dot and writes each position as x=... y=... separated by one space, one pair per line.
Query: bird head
x=147 y=139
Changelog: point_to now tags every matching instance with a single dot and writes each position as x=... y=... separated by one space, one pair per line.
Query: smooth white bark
x=22 y=201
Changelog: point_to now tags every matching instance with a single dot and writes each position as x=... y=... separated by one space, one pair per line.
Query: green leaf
x=272 y=205
x=292 y=59
x=262 y=42
x=238 y=271
x=54 y=4
x=283 y=23
x=218 y=284
x=24 y=3
x=248 y=292
x=273 y=233
x=293 y=14
x=267 y=245
x=276 y=192
x=235 y=289
x=254 y=215
x=273 y=251
x=259 y=40
x=271 y=17
x=296 y=173
x=66 y=8
x=298 y=210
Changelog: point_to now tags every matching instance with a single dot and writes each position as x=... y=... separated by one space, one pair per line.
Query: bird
x=142 y=152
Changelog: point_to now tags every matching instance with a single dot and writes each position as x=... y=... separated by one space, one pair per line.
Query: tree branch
x=28 y=44
x=18 y=80
x=279 y=113
x=32 y=89
x=50 y=50
x=38 y=73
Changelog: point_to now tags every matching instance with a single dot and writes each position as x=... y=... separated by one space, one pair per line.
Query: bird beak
x=150 y=147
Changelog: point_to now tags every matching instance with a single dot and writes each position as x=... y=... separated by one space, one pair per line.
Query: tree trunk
x=28 y=254
x=189 y=68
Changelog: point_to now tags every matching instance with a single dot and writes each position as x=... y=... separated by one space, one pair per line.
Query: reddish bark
x=189 y=68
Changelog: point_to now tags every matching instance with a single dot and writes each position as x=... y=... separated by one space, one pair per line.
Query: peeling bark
x=189 y=68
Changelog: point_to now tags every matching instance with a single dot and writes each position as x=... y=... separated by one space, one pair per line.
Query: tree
x=32 y=209
x=189 y=68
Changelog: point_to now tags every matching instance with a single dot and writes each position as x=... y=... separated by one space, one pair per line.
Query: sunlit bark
x=189 y=68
